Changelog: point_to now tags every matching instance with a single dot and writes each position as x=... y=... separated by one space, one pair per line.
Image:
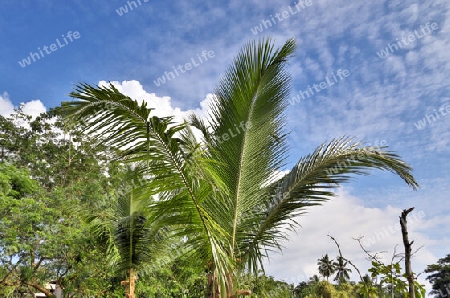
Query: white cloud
x=6 y=106
x=162 y=105
x=33 y=108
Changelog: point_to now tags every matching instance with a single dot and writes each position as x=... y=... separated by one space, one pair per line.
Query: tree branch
x=41 y=289
x=340 y=254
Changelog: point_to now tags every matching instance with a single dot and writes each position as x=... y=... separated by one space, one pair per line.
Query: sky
x=376 y=71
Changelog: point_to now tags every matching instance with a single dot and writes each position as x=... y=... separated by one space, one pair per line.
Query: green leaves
x=391 y=276
x=247 y=139
x=40 y=233
x=439 y=276
x=15 y=183
x=311 y=182
x=326 y=266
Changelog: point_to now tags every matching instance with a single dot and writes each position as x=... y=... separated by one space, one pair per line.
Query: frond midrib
x=184 y=179
x=241 y=164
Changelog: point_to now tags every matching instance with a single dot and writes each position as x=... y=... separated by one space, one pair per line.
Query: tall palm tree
x=326 y=267
x=342 y=271
x=224 y=193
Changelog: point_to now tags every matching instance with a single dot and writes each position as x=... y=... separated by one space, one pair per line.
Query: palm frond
x=202 y=126
x=310 y=183
x=247 y=139
x=104 y=112
x=135 y=237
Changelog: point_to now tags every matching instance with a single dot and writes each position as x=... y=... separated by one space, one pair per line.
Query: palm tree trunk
x=130 y=283
x=230 y=285
x=213 y=289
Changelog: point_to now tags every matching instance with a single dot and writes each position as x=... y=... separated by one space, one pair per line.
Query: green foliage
x=48 y=150
x=392 y=277
x=389 y=275
x=42 y=234
x=168 y=282
x=342 y=272
x=324 y=289
x=15 y=183
x=367 y=289
x=304 y=289
x=42 y=238
x=440 y=277
x=263 y=286
x=326 y=266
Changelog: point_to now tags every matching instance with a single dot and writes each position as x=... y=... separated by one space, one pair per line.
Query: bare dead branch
x=350 y=262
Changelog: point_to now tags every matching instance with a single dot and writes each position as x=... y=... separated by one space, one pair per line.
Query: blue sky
x=396 y=55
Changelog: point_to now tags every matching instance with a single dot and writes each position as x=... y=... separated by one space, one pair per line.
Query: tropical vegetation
x=143 y=203
x=222 y=193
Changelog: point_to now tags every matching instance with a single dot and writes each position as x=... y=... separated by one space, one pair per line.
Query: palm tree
x=127 y=235
x=223 y=193
x=314 y=279
x=367 y=287
x=326 y=267
x=342 y=271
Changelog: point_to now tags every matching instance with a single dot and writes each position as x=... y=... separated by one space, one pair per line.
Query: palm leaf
x=247 y=141
x=310 y=183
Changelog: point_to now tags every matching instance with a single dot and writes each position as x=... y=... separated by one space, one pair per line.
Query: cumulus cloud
x=162 y=104
x=6 y=106
x=33 y=108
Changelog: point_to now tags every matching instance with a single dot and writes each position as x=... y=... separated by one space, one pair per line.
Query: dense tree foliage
x=44 y=239
x=440 y=277
x=57 y=189
x=49 y=182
